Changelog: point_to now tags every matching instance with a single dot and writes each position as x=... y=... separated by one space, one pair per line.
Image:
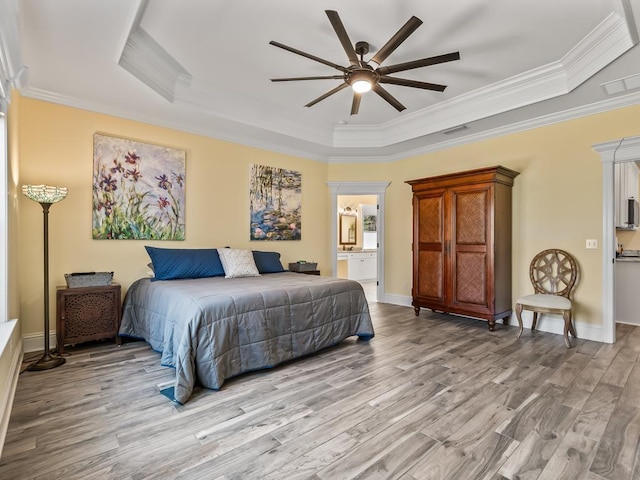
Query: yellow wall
x=557 y=198
x=56 y=148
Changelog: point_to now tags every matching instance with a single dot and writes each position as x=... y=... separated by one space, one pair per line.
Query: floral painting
x=138 y=190
x=275 y=203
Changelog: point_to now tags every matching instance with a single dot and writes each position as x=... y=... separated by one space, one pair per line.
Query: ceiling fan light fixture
x=361 y=86
x=361 y=80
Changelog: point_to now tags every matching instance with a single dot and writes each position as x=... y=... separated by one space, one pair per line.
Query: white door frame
x=616 y=151
x=359 y=188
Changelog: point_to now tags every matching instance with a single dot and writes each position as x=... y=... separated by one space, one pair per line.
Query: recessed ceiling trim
x=541 y=121
x=148 y=61
x=205 y=98
x=176 y=122
x=11 y=63
x=198 y=129
x=601 y=46
x=539 y=84
x=604 y=44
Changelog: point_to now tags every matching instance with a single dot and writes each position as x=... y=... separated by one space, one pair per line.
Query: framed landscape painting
x=275 y=199
x=138 y=190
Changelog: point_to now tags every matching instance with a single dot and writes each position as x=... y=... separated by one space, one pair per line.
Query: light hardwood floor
x=430 y=397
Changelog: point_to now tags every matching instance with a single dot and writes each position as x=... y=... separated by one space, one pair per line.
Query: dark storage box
x=303 y=267
x=88 y=279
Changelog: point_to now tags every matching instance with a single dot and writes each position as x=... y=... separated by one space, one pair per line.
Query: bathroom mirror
x=348 y=227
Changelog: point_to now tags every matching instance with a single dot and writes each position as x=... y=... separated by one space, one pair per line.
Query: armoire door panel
x=430 y=226
x=471 y=279
x=471 y=217
x=430 y=279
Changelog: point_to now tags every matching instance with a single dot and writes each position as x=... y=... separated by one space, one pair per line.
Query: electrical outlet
x=592 y=243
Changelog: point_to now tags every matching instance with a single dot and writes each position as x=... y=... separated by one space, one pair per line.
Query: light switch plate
x=592 y=243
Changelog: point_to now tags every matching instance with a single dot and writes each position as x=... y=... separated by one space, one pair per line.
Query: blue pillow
x=268 y=262
x=174 y=263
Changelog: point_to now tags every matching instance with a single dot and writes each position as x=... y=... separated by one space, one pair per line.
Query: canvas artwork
x=369 y=223
x=275 y=203
x=138 y=190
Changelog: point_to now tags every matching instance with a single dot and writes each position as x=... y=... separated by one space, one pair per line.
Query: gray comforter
x=211 y=329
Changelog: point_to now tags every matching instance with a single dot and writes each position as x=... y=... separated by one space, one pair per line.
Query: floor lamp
x=45 y=196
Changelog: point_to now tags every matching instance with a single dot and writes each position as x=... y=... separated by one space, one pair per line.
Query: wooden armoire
x=462 y=243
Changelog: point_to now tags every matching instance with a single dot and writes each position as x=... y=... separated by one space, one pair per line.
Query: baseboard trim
x=8 y=393
x=546 y=323
x=34 y=342
x=401 y=300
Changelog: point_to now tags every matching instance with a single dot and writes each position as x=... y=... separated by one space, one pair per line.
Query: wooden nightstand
x=87 y=313
x=308 y=272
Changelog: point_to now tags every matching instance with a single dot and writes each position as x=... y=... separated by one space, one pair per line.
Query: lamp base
x=47 y=362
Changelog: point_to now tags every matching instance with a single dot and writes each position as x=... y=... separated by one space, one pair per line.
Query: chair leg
x=519 y=317
x=572 y=328
x=567 y=326
x=534 y=322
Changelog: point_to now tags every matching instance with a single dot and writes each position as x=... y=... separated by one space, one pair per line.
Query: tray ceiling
x=205 y=67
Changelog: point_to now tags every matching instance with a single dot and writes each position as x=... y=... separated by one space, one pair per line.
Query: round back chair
x=553 y=274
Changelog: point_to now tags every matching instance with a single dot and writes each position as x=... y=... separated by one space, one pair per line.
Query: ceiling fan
x=363 y=76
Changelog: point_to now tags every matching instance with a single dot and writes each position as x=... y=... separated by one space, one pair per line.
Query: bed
x=211 y=329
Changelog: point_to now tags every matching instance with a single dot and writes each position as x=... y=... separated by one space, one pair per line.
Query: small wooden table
x=307 y=272
x=87 y=313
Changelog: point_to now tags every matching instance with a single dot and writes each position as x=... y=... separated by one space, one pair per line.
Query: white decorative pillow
x=238 y=263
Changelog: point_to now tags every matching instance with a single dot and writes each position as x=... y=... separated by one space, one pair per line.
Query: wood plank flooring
x=430 y=397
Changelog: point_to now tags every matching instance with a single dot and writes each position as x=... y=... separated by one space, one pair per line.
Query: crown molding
x=202 y=97
x=358 y=188
x=610 y=39
x=623 y=150
x=144 y=58
x=194 y=127
x=601 y=46
x=308 y=153
x=530 y=124
x=148 y=61
x=11 y=66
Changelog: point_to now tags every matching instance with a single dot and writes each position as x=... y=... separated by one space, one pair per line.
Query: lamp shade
x=44 y=193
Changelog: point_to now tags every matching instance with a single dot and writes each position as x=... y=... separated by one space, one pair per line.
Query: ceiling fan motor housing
x=365 y=73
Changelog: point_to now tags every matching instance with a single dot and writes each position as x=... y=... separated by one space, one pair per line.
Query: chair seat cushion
x=543 y=300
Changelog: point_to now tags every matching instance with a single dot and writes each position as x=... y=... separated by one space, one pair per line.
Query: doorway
x=357 y=255
x=356 y=199
x=616 y=151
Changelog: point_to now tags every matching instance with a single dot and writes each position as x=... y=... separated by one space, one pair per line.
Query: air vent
x=622 y=85
x=459 y=128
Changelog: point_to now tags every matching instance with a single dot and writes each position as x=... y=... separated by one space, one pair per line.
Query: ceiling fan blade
x=423 y=62
x=308 y=55
x=388 y=97
x=404 y=82
x=394 y=42
x=355 y=105
x=328 y=94
x=292 y=79
x=334 y=18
